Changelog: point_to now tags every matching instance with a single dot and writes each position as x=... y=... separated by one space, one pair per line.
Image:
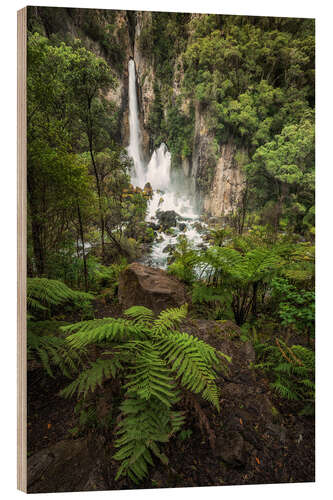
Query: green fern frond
x=192 y=361
x=145 y=424
x=47 y=292
x=150 y=377
x=92 y=377
x=52 y=351
x=169 y=319
x=284 y=390
x=202 y=293
x=151 y=360
x=102 y=330
x=140 y=314
x=34 y=304
x=292 y=367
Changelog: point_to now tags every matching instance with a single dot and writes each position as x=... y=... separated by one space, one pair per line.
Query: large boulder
x=149 y=287
x=167 y=218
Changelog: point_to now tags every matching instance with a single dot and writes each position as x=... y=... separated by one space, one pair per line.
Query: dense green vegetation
x=253 y=79
x=78 y=176
x=251 y=82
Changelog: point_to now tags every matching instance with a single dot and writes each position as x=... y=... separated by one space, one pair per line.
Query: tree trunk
x=36 y=225
x=83 y=249
x=36 y=230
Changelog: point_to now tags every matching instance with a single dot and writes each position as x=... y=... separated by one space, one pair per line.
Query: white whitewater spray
x=167 y=195
x=134 y=148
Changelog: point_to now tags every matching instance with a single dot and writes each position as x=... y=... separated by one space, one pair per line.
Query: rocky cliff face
x=227 y=184
x=145 y=79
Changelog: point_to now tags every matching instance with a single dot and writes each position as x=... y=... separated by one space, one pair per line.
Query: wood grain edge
x=21 y=250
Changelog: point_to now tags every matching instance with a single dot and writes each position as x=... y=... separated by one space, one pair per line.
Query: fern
x=44 y=339
x=93 y=376
x=42 y=293
x=144 y=425
x=234 y=277
x=150 y=376
x=169 y=319
x=102 y=330
x=154 y=363
x=293 y=369
x=51 y=350
x=192 y=361
x=140 y=314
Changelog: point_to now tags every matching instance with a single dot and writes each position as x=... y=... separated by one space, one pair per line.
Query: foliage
x=72 y=132
x=296 y=307
x=108 y=276
x=184 y=259
x=164 y=39
x=230 y=274
x=44 y=338
x=43 y=294
x=153 y=362
x=292 y=368
x=44 y=342
x=253 y=79
x=180 y=131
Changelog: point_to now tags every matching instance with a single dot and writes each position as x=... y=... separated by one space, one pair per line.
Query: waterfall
x=168 y=193
x=134 y=148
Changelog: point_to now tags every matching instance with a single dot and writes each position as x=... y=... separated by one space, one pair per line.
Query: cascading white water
x=167 y=195
x=134 y=148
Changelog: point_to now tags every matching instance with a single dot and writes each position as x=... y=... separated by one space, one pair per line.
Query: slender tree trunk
x=83 y=249
x=36 y=230
x=89 y=131
x=36 y=225
x=99 y=193
x=254 y=298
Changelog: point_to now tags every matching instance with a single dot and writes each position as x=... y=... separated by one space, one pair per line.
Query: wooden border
x=21 y=249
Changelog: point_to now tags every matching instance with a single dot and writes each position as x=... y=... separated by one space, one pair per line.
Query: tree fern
x=235 y=277
x=154 y=362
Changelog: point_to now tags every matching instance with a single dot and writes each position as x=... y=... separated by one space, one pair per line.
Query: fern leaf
x=46 y=292
x=102 y=330
x=140 y=314
x=144 y=425
x=52 y=350
x=151 y=377
x=95 y=375
x=192 y=361
x=169 y=319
